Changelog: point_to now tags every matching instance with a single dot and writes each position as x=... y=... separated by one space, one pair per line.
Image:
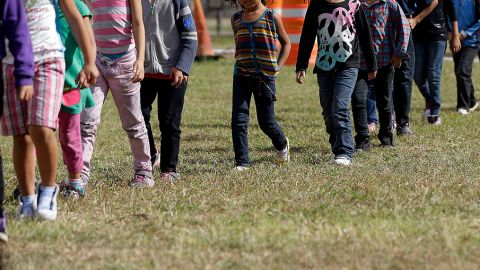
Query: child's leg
x=240 y=116
x=71 y=143
x=403 y=86
x=371 y=104
x=342 y=94
x=170 y=107
x=359 y=109
x=47 y=151
x=126 y=96
x=383 y=91
x=434 y=74
x=421 y=65
x=266 y=116
x=148 y=93
x=90 y=119
x=326 y=82
x=463 y=71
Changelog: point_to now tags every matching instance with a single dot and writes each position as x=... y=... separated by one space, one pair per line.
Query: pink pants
x=71 y=141
x=116 y=76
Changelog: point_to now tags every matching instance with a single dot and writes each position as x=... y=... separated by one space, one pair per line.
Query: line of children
x=14 y=27
x=32 y=123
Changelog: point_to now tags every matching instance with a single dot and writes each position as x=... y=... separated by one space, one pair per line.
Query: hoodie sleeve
x=188 y=35
x=365 y=40
x=17 y=33
x=307 y=39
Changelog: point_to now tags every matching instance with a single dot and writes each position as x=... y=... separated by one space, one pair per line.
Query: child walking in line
x=74 y=100
x=468 y=15
x=169 y=56
x=120 y=39
x=14 y=27
x=256 y=30
x=340 y=26
x=390 y=34
x=32 y=123
x=430 y=41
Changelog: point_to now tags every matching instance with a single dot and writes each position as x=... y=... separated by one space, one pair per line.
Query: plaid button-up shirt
x=390 y=30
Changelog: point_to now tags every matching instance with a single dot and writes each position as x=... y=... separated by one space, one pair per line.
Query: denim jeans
x=371 y=104
x=383 y=84
x=170 y=102
x=263 y=91
x=428 y=72
x=463 y=61
x=359 y=108
x=336 y=88
x=402 y=86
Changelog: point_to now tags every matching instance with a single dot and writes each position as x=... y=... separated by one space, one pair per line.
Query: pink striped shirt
x=112 y=26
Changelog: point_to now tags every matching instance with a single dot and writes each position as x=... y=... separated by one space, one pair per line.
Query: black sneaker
x=404 y=130
x=363 y=146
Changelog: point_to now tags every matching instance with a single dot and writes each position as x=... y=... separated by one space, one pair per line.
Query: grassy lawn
x=413 y=207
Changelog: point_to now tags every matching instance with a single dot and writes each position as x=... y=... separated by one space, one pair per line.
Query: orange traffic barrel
x=293 y=16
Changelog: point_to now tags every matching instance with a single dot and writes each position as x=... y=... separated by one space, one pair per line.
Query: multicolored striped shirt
x=390 y=30
x=112 y=26
x=255 y=45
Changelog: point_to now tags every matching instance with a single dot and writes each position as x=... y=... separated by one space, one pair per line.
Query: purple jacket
x=14 y=27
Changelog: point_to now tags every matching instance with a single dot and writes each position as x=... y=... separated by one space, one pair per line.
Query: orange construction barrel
x=293 y=16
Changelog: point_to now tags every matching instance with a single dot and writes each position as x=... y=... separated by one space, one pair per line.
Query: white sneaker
x=462 y=111
x=47 y=205
x=241 y=168
x=474 y=107
x=283 y=156
x=343 y=161
x=26 y=211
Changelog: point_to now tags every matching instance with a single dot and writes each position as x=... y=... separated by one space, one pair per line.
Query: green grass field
x=413 y=207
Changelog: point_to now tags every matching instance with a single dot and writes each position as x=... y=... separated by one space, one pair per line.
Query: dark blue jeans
x=428 y=72
x=371 y=104
x=336 y=89
x=463 y=61
x=263 y=90
x=402 y=86
x=360 y=108
x=383 y=85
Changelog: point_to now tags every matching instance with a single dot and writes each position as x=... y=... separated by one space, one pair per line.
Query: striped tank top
x=112 y=26
x=255 y=45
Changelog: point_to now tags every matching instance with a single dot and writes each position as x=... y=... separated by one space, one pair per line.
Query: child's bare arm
x=424 y=13
x=284 y=41
x=81 y=35
x=139 y=36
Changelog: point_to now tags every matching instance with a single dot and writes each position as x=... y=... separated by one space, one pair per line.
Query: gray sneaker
x=142 y=181
x=170 y=176
x=404 y=130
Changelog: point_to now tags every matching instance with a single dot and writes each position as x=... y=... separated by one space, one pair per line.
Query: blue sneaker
x=47 y=204
x=26 y=211
x=73 y=190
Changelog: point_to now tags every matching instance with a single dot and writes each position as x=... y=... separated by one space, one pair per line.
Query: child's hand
x=138 y=71
x=455 y=43
x=25 y=92
x=412 y=22
x=88 y=76
x=397 y=61
x=300 y=76
x=178 y=77
x=372 y=75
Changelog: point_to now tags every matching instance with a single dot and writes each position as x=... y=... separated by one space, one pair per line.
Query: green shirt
x=74 y=61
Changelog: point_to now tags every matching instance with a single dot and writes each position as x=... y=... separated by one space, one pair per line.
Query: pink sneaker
x=141 y=181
